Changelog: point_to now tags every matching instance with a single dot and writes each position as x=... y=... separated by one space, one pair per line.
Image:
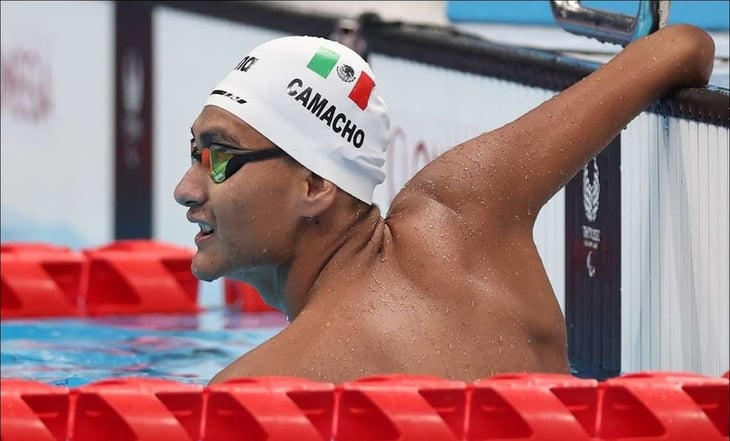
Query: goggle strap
x=237 y=161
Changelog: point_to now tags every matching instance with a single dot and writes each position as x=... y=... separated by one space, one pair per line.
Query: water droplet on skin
x=328 y=324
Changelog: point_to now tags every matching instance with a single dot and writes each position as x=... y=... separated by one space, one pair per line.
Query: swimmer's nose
x=192 y=188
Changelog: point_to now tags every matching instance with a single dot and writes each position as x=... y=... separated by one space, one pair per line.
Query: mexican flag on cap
x=325 y=60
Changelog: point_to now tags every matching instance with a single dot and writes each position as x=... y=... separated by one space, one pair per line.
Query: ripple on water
x=188 y=348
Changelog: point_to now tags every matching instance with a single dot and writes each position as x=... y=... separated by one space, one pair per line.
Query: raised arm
x=506 y=175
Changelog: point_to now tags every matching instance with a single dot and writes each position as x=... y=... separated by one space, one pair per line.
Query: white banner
x=57 y=127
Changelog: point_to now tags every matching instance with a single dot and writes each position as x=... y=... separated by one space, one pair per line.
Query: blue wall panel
x=711 y=15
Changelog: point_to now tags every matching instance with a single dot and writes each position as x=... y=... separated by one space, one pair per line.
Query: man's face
x=249 y=219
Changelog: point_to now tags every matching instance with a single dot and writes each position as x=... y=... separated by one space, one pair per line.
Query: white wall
x=57 y=122
x=675 y=246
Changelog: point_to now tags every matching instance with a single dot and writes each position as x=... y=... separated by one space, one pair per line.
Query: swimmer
x=286 y=153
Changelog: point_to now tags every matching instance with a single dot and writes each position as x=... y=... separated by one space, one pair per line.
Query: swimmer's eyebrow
x=216 y=136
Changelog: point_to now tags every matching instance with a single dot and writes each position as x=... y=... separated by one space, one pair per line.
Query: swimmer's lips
x=205 y=232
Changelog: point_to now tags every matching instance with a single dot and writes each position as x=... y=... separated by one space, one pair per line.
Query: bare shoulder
x=265 y=359
x=310 y=347
x=428 y=234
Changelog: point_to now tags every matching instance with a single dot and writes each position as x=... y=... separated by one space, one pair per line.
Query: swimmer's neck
x=331 y=241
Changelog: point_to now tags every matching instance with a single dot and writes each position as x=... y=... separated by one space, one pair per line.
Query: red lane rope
x=640 y=407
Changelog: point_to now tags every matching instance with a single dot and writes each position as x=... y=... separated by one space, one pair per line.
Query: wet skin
x=450 y=282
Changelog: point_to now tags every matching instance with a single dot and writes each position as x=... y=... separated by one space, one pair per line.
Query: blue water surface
x=188 y=348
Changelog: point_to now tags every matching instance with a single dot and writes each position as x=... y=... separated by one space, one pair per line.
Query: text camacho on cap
x=317 y=100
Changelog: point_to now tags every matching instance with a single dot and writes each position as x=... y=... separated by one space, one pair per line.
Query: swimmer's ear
x=320 y=195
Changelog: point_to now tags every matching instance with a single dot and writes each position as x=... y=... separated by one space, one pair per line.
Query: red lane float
x=654 y=406
x=140 y=276
x=646 y=406
x=124 y=277
x=40 y=280
x=533 y=407
x=401 y=407
x=137 y=409
x=269 y=408
x=33 y=411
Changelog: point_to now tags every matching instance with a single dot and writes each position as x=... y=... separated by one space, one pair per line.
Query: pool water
x=189 y=348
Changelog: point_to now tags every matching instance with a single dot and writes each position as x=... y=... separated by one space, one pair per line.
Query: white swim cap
x=317 y=100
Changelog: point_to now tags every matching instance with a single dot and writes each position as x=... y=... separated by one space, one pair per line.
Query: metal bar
x=611 y=27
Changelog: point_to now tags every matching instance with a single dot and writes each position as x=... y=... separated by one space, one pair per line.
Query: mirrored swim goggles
x=223 y=161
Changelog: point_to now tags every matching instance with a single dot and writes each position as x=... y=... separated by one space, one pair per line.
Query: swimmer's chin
x=206 y=277
x=204 y=273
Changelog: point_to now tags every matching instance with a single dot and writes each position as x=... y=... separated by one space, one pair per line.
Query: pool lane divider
x=124 y=277
x=40 y=280
x=121 y=278
x=656 y=406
